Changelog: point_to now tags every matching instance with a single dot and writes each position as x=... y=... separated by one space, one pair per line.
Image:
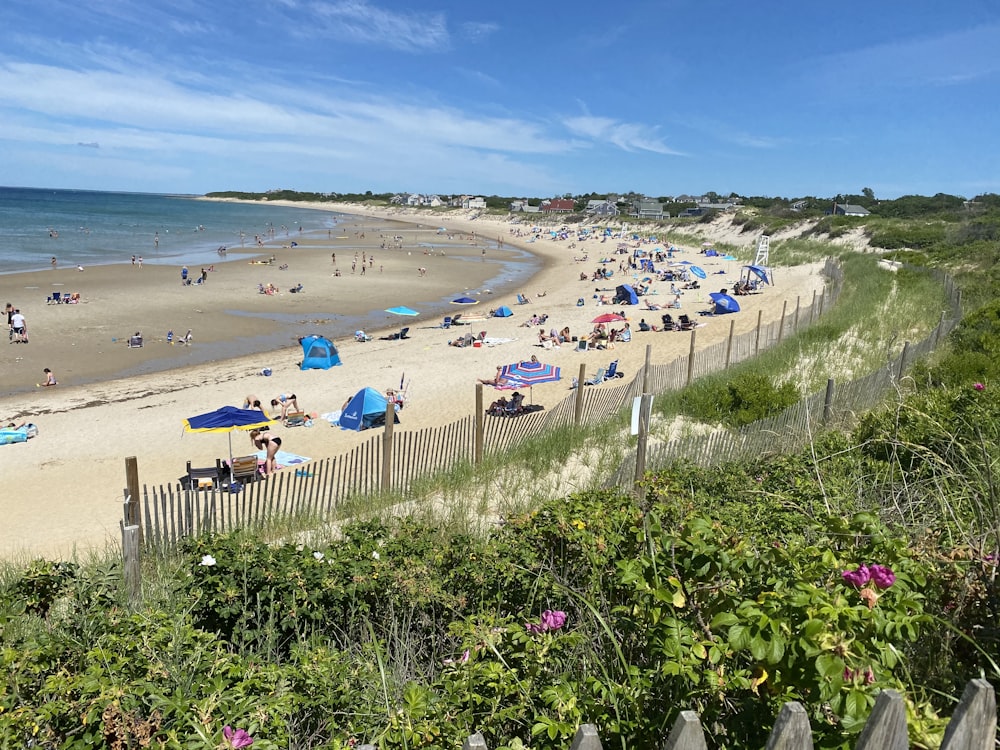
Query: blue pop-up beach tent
x=503 y=312
x=318 y=353
x=366 y=409
x=626 y=295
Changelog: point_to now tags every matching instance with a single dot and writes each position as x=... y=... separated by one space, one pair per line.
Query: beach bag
x=31 y=430
x=580 y=302
x=235 y=486
x=266 y=372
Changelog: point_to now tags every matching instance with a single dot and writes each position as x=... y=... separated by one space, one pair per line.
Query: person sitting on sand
x=564 y=336
x=495 y=380
x=50 y=378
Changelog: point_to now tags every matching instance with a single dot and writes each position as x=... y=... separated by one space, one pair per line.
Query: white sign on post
x=636 y=409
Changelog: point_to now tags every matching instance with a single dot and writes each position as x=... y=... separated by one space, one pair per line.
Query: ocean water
x=90 y=228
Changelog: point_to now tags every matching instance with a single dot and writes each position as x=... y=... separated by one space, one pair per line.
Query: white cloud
x=358 y=21
x=626 y=136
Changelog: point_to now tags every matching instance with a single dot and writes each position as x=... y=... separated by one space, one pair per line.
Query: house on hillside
x=601 y=208
x=800 y=205
x=469 y=202
x=558 y=205
x=647 y=209
x=848 y=209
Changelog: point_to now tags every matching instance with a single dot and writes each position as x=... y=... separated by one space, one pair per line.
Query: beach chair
x=612 y=371
x=669 y=324
x=685 y=323
x=597 y=379
x=201 y=478
x=522 y=300
x=54 y=298
x=516 y=405
x=135 y=342
x=244 y=469
x=446 y=323
x=582 y=344
x=295 y=418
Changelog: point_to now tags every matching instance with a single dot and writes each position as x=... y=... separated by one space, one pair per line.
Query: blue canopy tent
x=318 y=353
x=625 y=295
x=465 y=301
x=503 y=312
x=366 y=409
x=724 y=303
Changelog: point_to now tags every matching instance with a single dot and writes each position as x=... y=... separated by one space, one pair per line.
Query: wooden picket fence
x=973 y=726
x=392 y=461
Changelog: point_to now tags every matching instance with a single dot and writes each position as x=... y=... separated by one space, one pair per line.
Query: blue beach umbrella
x=724 y=303
x=401 y=310
x=465 y=301
x=697 y=271
x=227 y=419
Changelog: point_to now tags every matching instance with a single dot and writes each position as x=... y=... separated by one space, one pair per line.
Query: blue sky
x=509 y=98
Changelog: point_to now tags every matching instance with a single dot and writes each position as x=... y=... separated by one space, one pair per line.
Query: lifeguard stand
x=763 y=250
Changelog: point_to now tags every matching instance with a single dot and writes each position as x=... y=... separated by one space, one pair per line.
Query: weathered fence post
x=131 y=562
x=132 y=512
x=828 y=402
x=791 y=730
x=477 y=450
x=937 y=332
x=729 y=343
x=390 y=419
x=586 y=738
x=578 y=405
x=781 y=325
x=886 y=726
x=973 y=726
x=690 y=376
x=686 y=734
x=475 y=742
x=756 y=343
x=822 y=299
x=645 y=368
x=795 y=325
x=812 y=308
x=645 y=406
x=904 y=355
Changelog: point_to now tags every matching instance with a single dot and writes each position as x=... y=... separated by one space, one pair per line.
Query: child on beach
x=50 y=379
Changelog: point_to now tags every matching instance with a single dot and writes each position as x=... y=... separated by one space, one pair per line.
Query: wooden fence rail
x=973 y=726
x=171 y=513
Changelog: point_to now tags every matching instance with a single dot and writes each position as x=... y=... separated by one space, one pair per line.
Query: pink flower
x=461 y=660
x=979 y=387
x=236 y=738
x=551 y=620
x=869 y=676
x=882 y=576
x=857 y=578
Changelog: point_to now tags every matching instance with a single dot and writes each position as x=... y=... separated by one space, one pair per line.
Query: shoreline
x=67 y=482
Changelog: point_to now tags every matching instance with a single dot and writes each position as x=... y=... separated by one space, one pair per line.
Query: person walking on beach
x=184 y=274
x=133 y=260
x=140 y=261
x=19 y=327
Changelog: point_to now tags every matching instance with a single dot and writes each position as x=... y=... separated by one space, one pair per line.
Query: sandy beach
x=64 y=488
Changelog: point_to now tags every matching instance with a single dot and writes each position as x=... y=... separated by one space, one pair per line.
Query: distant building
x=647 y=209
x=800 y=205
x=848 y=209
x=696 y=211
x=469 y=202
x=558 y=205
x=601 y=208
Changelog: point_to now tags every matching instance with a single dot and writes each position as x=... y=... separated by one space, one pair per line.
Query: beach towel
x=492 y=341
x=284 y=458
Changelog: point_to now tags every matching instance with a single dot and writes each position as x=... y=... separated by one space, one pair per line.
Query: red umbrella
x=609 y=318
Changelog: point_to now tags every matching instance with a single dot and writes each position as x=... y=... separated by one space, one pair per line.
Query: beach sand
x=63 y=490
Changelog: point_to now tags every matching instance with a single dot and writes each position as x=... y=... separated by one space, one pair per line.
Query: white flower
x=375 y=555
x=208 y=561
x=318 y=555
